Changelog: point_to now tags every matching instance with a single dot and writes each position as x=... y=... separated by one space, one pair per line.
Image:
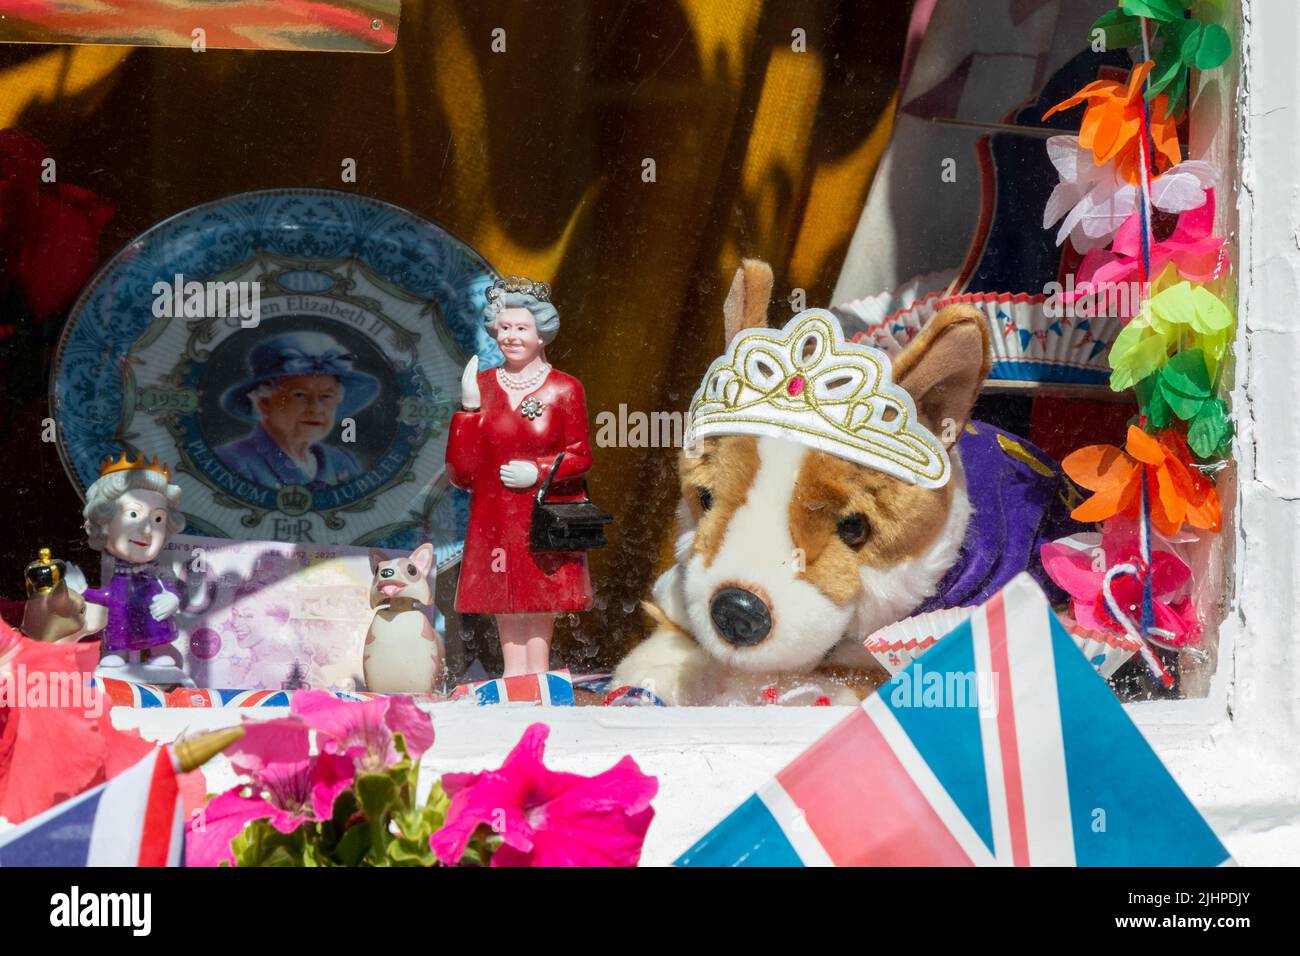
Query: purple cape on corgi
x=1020 y=499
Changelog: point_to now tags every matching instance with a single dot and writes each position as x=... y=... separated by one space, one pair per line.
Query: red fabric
x=49 y=232
x=500 y=574
x=54 y=746
x=1062 y=425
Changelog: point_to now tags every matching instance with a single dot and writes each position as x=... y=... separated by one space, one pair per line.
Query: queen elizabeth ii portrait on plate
x=300 y=386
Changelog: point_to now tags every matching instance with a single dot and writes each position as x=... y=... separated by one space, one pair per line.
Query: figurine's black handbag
x=567 y=525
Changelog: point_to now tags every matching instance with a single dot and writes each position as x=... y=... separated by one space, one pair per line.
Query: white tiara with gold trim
x=807 y=384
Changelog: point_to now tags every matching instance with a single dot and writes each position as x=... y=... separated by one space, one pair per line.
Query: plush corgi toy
x=797 y=538
x=404 y=654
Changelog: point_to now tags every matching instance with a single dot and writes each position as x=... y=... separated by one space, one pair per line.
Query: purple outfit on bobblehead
x=131 y=626
x=1020 y=501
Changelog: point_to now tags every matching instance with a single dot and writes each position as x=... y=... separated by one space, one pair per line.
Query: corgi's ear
x=746 y=305
x=944 y=368
x=377 y=558
x=422 y=558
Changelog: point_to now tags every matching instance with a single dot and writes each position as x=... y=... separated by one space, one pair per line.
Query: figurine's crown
x=807 y=384
x=539 y=290
x=126 y=463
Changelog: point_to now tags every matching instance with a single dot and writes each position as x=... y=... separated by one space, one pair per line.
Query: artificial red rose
x=49 y=232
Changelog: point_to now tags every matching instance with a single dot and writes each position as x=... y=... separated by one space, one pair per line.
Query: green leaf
x=1186 y=373
x=345 y=804
x=1168 y=67
x=1177 y=91
x=377 y=791
x=1184 y=406
x=354 y=846
x=1121 y=30
x=1210 y=431
x=1214 y=49
x=260 y=844
x=1151 y=400
x=1154 y=9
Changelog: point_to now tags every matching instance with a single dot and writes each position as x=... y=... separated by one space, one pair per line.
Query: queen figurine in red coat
x=515 y=421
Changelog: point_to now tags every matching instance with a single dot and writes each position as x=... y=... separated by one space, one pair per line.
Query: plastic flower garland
x=1171 y=351
x=1113 y=124
x=1076 y=570
x=1190 y=252
x=1177 y=493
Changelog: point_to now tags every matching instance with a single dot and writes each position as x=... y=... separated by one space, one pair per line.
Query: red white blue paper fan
x=1032 y=337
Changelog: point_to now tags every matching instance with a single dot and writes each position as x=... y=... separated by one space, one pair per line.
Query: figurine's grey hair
x=545 y=317
x=100 y=498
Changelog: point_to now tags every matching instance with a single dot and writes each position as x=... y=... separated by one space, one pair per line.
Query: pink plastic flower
x=365 y=729
x=1074 y=564
x=547 y=818
x=1191 y=248
x=286 y=785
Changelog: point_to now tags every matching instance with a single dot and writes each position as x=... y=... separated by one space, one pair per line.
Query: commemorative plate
x=295 y=355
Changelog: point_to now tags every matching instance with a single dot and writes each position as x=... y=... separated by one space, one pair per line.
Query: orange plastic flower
x=1112 y=124
x=1177 y=492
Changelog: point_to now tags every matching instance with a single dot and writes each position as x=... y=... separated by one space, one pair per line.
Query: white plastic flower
x=1094 y=200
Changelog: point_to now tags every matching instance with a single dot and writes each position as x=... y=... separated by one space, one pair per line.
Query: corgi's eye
x=410 y=571
x=706 y=498
x=853 y=530
x=386 y=573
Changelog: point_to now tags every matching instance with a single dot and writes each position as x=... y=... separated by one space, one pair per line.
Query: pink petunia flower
x=287 y=786
x=547 y=818
x=365 y=729
x=1074 y=564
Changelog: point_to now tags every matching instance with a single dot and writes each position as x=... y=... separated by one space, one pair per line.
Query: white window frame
x=1237 y=750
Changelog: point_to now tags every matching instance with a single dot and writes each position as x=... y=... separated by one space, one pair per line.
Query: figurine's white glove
x=164 y=605
x=519 y=474
x=470 y=399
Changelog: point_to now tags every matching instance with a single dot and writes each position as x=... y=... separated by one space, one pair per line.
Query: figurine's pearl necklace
x=516 y=383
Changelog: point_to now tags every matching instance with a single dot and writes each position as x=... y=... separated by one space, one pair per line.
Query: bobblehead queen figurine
x=131 y=510
x=515 y=421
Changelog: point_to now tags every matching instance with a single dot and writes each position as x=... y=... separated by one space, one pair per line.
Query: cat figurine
x=404 y=654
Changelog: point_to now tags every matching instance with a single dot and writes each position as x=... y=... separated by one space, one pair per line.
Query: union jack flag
x=135 y=819
x=1021 y=756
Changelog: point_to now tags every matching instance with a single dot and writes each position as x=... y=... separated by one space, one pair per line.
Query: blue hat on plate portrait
x=301 y=353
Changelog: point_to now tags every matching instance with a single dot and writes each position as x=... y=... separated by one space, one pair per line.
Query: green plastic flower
x=1179 y=43
x=1181 y=317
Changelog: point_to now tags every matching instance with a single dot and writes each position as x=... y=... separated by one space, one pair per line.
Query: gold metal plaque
x=340 y=26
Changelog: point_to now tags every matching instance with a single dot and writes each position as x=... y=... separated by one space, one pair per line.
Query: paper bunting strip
x=554 y=688
x=1021 y=770
x=121 y=693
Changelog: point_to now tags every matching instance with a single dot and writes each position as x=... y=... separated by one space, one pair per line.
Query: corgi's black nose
x=740 y=615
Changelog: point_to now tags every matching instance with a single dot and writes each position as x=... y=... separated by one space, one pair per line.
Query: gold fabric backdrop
x=535 y=156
